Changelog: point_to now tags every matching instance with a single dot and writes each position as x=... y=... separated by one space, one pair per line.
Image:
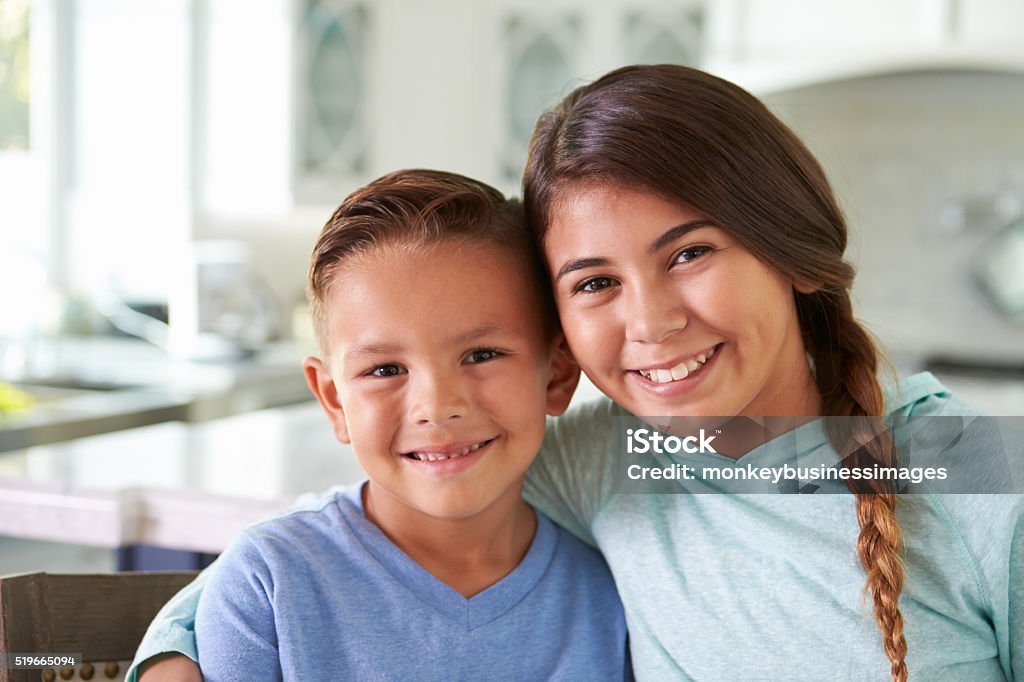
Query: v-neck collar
x=475 y=611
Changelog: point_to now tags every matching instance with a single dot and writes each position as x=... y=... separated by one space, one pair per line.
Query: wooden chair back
x=101 y=616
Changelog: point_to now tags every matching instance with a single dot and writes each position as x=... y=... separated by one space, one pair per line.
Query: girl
x=696 y=254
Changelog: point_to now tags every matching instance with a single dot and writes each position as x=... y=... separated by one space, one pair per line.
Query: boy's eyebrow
x=371 y=349
x=478 y=333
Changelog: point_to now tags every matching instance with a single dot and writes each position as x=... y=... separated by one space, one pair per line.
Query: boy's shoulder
x=317 y=525
x=322 y=510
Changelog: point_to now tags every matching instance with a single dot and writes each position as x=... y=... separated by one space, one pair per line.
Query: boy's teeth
x=438 y=456
x=680 y=371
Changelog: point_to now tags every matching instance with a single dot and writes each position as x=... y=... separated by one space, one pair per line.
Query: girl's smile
x=677 y=378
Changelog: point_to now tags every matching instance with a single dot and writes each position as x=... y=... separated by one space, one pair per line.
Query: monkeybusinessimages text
x=645 y=441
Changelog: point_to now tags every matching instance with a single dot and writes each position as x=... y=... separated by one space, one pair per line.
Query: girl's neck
x=741 y=434
x=736 y=436
x=468 y=554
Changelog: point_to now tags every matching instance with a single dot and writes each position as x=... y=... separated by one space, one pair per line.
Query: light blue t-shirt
x=322 y=593
x=769 y=586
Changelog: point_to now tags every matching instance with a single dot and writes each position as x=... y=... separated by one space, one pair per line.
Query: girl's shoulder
x=922 y=395
x=982 y=503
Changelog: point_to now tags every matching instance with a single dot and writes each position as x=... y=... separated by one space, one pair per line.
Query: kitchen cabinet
x=255 y=119
x=349 y=90
x=770 y=45
x=458 y=83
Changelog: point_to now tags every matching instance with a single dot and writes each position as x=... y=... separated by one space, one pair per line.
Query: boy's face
x=440 y=376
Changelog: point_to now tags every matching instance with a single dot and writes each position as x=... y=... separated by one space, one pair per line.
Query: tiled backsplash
x=904 y=153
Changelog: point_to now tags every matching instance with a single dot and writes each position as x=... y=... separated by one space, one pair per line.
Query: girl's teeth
x=680 y=371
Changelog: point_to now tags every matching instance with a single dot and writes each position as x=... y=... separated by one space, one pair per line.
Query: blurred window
x=23 y=234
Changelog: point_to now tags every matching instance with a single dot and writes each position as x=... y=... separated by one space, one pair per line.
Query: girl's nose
x=653 y=313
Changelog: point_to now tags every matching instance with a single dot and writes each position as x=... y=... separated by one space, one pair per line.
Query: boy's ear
x=326 y=392
x=565 y=374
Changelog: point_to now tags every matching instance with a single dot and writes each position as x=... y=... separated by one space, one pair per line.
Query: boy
x=440 y=359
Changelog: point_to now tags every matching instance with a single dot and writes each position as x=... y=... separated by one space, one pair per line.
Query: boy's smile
x=438 y=373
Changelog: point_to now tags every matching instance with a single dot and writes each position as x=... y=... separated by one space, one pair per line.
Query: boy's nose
x=438 y=400
x=653 y=314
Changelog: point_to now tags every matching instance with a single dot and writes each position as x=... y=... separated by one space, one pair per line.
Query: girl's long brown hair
x=707 y=144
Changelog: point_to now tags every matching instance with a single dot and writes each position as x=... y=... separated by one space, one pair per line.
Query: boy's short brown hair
x=420 y=208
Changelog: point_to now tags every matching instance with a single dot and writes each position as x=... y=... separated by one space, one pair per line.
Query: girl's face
x=669 y=315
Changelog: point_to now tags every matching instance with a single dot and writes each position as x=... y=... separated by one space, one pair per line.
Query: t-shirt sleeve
x=173 y=629
x=572 y=477
x=235 y=631
x=991 y=526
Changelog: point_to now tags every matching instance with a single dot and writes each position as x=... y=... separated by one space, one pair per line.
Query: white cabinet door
x=996 y=23
x=767 y=45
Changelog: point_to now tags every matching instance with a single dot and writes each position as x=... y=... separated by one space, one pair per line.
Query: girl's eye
x=482 y=355
x=692 y=253
x=593 y=285
x=385 y=371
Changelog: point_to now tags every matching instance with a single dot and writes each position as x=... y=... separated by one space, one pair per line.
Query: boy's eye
x=385 y=371
x=692 y=253
x=482 y=355
x=594 y=284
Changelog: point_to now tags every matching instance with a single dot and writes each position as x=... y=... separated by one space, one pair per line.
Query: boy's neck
x=469 y=555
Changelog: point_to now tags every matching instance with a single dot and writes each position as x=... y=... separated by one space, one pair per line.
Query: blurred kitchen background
x=166 y=165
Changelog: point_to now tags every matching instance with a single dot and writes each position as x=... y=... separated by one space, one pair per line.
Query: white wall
x=904 y=152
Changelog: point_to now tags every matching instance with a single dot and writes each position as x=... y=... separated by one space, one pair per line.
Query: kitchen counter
x=174 y=485
x=90 y=385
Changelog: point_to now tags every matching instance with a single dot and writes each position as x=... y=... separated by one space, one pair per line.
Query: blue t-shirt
x=322 y=593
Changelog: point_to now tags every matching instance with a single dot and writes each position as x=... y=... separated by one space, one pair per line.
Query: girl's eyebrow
x=579 y=264
x=670 y=235
x=676 y=232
